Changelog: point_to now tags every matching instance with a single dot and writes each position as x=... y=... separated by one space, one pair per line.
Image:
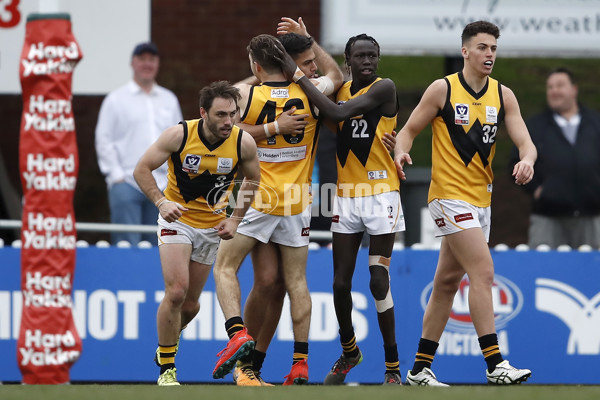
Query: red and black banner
x=48 y=342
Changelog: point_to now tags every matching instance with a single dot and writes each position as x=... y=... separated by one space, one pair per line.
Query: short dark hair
x=564 y=70
x=476 y=27
x=356 y=38
x=263 y=49
x=222 y=89
x=296 y=44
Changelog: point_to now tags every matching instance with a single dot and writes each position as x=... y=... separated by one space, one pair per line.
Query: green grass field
x=316 y=392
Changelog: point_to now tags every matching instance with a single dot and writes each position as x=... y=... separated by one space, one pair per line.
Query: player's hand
x=290 y=123
x=523 y=172
x=288 y=25
x=226 y=229
x=400 y=160
x=170 y=210
x=389 y=141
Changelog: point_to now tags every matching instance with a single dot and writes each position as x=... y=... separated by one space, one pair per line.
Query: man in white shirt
x=131 y=119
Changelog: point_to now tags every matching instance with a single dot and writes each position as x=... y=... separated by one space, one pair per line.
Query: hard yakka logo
x=168 y=232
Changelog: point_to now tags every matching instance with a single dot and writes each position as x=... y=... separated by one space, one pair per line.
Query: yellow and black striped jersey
x=201 y=175
x=286 y=161
x=464 y=139
x=364 y=166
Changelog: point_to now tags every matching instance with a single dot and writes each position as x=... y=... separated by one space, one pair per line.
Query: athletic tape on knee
x=387 y=302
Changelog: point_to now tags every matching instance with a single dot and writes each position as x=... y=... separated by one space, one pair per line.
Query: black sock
x=349 y=347
x=391 y=359
x=491 y=350
x=258 y=357
x=300 y=352
x=234 y=325
x=425 y=353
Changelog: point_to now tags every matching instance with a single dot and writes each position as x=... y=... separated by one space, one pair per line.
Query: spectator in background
x=131 y=118
x=566 y=187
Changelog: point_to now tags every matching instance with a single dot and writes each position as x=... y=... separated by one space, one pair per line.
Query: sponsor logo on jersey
x=461 y=114
x=168 y=232
x=491 y=115
x=191 y=163
x=440 y=222
x=280 y=93
x=335 y=218
x=372 y=175
x=283 y=154
x=305 y=231
x=224 y=165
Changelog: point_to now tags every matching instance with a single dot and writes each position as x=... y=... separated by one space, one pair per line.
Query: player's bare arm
x=328 y=67
x=517 y=130
x=431 y=102
x=168 y=142
x=381 y=93
x=250 y=168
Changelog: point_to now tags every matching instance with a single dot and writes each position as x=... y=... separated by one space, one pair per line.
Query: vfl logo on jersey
x=390 y=211
x=280 y=93
x=578 y=312
x=461 y=114
x=491 y=115
x=463 y=217
x=506 y=297
x=440 y=222
x=377 y=174
x=191 y=163
x=224 y=165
